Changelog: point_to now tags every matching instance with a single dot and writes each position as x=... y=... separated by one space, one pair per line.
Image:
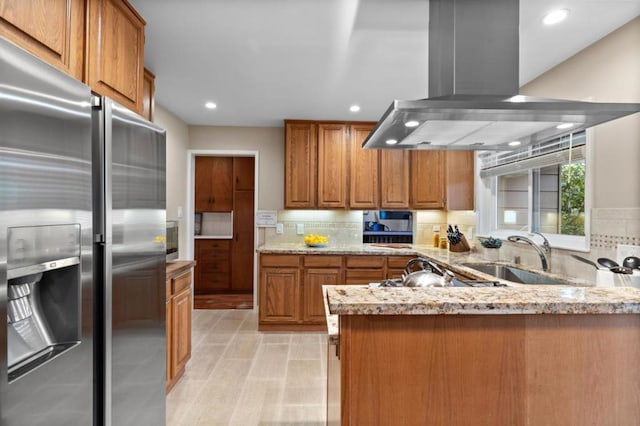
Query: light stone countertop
x=362 y=300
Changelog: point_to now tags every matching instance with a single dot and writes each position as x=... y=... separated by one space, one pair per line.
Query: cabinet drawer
x=277 y=260
x=213 y=244
x=213 y=280
x=323 y=261
x=181 y=282
x=363 y=276
x=376 y=262
x=398 y=262
x=221 y=267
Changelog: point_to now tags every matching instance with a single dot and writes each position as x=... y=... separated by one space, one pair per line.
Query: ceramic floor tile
x=240 y=376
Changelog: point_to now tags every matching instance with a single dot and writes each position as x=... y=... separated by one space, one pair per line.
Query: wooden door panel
x=300 y=165
x=332 y=166
x=181 y=323
x=364 y=186
x=279 y=295
x=460 y=180
x=242 y=246
x=313 y=300
x=244 y=173
x=394 y=179
x=427 y=179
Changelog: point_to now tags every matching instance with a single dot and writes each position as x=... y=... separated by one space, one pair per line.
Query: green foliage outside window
x=572 y=198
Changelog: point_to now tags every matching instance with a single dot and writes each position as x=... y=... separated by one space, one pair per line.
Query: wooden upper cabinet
x=115 y=52
x=460 y=166
x=427 y=179
x=214 y=184
x=300 y=165
x=243 y=173
x=332 y=166
x=52 y=30
x=364 y=187
x=394 y=179
x=148 y=90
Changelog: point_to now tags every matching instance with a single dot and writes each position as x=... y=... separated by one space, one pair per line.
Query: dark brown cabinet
x=242 y=245
x=214 y=184
x=243 y=173
x=213 y=265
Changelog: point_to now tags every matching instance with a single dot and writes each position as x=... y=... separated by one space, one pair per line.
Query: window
x=541 y=188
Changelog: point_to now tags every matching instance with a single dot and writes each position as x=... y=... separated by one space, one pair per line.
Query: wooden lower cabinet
x=178 y=320
x=213 y=270
x=290 y=291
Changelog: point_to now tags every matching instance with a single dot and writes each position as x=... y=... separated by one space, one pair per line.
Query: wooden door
x=312 y=298
x=213 y=184
x=181 y=331
x=213 y=266
x=394 y=179
x=243 y=173
x=279 y=295
x=115 y=51
x=242 y=246
x=460 y=172
x=427 y=179
x=332 y=166
x=300 y=165
x=52 y=30
x=148 y=90
x=169 y=334
x=364 y=186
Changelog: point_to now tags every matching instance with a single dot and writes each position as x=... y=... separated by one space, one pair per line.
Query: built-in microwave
x=172 y=239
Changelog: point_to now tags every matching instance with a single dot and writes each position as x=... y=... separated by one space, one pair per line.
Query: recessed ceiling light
x=514 y=143
x=391 y=141
x=564 y=126
x=210 y=105
x=354 y=108
x=411 y=123
x=555 y=16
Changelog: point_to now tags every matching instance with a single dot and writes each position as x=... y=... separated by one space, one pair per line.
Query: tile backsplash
x=342 y=227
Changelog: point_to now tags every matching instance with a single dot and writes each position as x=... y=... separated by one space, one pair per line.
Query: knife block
x=461 y=246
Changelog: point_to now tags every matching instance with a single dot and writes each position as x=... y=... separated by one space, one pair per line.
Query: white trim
x=191 y=158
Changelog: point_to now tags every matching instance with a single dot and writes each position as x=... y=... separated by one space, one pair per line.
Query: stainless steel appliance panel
x=45 y=175
x=135 y=297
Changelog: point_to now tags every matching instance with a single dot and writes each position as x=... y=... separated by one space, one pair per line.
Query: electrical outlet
x=300 y=228
x=279 y=228
x=179 y=212
x=626 y=250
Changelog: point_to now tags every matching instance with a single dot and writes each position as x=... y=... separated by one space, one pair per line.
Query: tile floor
x=239 y=376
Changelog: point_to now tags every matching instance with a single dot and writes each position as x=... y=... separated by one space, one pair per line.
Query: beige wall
x=177 y=143
x=268 y=141
x=606 y=71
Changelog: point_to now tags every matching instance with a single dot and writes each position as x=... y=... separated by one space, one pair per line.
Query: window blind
x=566 y=149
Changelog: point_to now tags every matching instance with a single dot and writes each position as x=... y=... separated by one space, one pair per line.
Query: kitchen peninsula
x=525 y=355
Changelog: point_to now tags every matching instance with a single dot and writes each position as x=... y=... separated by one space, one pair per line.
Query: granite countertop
x=176 y=267
x=363 y=300
x=333 y=329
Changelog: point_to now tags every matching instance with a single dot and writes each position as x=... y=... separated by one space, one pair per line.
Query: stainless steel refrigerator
x=82 y=254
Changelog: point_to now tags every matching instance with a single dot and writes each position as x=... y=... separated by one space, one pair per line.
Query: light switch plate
x=299 y=228
x=436 y=228
x=279 y=228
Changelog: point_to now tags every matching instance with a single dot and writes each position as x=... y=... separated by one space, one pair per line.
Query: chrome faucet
x=543 y=250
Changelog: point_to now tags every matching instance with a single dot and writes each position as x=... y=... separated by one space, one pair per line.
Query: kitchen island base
x=490 y=369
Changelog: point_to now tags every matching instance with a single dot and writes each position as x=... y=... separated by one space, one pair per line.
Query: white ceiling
x=263 y=61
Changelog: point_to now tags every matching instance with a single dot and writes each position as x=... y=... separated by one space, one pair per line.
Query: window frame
x=487 y=211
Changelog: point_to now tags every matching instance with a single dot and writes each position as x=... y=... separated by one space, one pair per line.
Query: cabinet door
x=364 y=187
x=181 y=330
x=332 y=166
x=52 y=30
x=394 y=179
x=115 y=54
x=242 y=246
x=312 y=299
x=213 y=265
x=243 y=173
x=460 y=180
x=299 y=165
x=214 y=184
x=148 y=90
x=427 y=179
x=169 y=334
x=279 y=295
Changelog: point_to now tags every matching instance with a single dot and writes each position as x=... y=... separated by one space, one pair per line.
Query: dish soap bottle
x=436 y=239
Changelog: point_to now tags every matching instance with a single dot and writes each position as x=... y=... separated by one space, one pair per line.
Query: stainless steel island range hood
x=473 y=88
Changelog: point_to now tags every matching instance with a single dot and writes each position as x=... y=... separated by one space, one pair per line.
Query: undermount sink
x=514 y=274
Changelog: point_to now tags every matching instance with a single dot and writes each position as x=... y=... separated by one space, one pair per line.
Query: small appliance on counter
x=173 y=235
x=387 y=226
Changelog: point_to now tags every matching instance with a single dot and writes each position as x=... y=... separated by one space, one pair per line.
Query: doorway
x=223 y=190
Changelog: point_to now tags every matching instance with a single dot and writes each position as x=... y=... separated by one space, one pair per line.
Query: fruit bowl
x=316 y=241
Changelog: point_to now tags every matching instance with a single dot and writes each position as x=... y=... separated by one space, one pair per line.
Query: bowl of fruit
x=315 y=240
